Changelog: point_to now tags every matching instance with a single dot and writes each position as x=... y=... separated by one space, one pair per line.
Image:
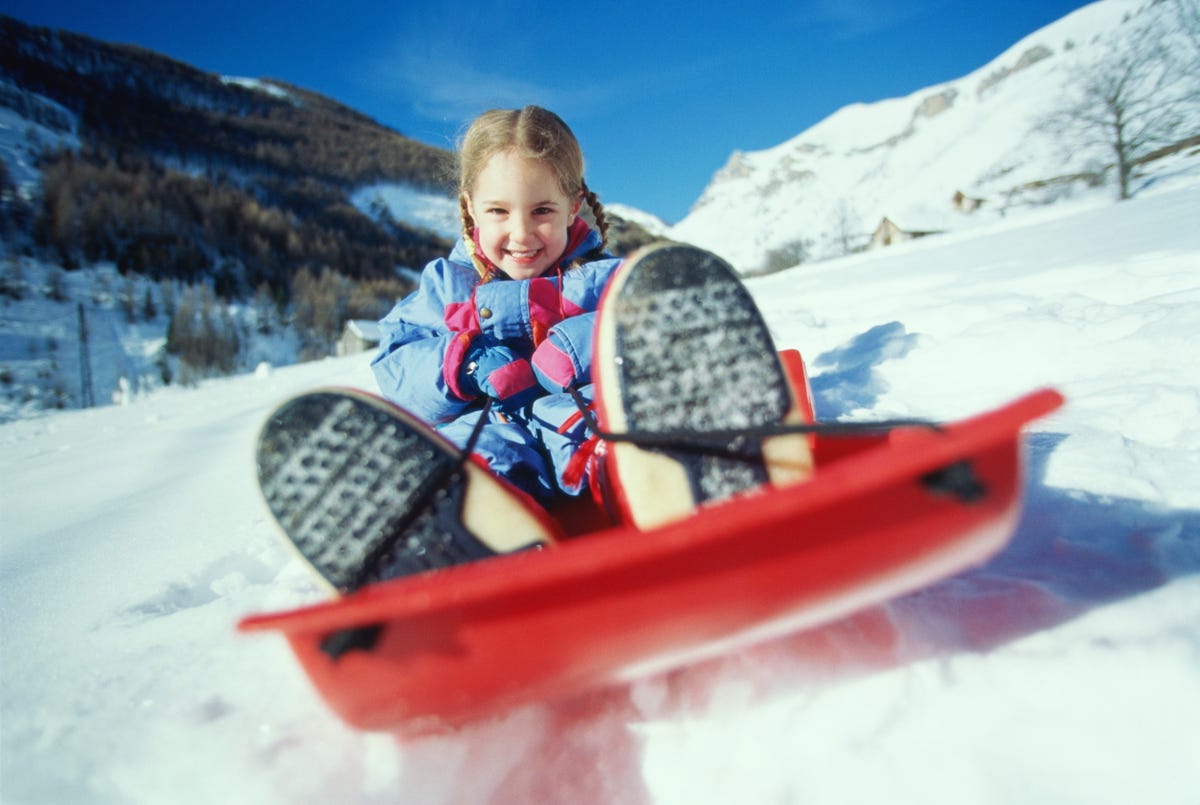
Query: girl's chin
x=522 y=269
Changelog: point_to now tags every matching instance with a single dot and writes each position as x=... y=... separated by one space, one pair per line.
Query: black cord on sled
x=736 y=441
x=364 y=638
x=436 y=482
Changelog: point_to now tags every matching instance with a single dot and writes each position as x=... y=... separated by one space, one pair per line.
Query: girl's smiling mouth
x=523 y=255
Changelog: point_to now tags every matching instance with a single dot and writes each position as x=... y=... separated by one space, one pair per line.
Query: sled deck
x=885 y=513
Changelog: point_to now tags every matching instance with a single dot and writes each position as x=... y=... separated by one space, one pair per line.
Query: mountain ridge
x=822 y=192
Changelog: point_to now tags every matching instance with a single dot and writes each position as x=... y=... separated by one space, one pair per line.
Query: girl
x=508 y=317
x=485 y=350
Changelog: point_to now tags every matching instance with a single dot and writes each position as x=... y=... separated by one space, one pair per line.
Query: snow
x=651 y=223
x=22 y=139
x=259 y=85
x=1065 y=670
x=434 y=211
x=126 y=319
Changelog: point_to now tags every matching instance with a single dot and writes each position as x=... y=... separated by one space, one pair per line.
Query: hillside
x=272 y=212
x=1004 y=136
x=171 y=171
x=165 y=169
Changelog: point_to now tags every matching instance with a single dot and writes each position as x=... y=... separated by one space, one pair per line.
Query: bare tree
x=1140 y=98
x=845 y=226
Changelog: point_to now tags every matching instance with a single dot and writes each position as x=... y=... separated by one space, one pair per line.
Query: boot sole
x=342 y=473
x=681 y=346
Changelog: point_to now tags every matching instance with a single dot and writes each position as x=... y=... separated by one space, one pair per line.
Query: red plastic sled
x=884 y=514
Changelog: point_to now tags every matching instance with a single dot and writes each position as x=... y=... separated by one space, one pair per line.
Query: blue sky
x=660 y=94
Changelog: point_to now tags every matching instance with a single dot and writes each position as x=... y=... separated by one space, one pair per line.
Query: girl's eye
x=543 y=211
x=496 y=211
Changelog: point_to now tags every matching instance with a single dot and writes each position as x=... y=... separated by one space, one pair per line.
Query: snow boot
x=366 y=492
x=685 y=367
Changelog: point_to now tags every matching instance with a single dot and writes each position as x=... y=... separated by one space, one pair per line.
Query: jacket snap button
x=485 y=312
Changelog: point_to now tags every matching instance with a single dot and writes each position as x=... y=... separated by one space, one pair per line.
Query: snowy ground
x=1067 y=670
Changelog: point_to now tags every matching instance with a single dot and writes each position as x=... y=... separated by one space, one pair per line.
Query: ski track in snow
x=1065 y=670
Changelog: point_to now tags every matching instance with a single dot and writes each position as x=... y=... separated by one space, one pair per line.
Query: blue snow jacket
x=428 y=335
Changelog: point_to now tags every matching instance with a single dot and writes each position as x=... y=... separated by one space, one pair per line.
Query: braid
x=468 y=234
x=597 y=212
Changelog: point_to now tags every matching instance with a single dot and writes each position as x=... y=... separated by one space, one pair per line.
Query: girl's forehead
x=509 y=173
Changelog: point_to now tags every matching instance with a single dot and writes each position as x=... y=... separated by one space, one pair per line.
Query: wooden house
x=358 y=335
x=889 y=232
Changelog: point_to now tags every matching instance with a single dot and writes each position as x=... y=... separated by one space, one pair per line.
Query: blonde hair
x=533 y=133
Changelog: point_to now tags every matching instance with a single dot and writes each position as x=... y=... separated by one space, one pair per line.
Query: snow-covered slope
x=434 y=211
x=906 y=158
x=132 y=538
x=29 y=124
x=651 y=223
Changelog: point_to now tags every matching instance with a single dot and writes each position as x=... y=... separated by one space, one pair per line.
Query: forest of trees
x=183 y=174
x=231 y=193
x=130 y=99
x=167 y=224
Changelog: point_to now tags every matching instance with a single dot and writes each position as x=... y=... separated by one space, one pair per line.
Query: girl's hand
x=491 y=369
x=564 y=358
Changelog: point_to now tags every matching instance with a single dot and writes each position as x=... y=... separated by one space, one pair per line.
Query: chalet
x=359 y=335
x=888 y=232
x=964 y=203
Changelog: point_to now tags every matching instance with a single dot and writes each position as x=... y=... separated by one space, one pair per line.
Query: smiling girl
x=508 y=316
x=490 y=364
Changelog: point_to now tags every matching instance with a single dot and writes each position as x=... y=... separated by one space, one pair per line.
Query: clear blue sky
x=660 y=94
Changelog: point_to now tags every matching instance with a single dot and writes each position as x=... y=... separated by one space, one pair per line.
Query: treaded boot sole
x=681 y=346
x=365 y=492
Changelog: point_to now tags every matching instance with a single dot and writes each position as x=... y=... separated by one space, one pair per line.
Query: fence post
x=87 y=396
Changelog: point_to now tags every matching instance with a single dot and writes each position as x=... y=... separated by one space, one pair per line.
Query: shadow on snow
x=845 y=379
x=1073 y=551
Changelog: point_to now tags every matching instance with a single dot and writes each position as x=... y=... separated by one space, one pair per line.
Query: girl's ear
x=577 y=204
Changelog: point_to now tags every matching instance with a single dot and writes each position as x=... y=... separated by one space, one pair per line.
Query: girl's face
x=522 y=215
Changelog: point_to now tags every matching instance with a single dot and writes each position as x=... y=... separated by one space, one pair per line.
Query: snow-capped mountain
x=647 y=221
x=981 y=138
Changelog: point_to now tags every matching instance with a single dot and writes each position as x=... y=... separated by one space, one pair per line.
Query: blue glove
x=491 y=369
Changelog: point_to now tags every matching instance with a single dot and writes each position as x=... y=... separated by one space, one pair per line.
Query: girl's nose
x=521 y=226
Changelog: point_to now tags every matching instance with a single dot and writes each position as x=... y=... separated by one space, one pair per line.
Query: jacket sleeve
x=417 y=342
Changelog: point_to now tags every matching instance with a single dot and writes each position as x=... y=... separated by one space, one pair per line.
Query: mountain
x=160 y=224
x=196 y=170
x=1000 y=140
x=144 y=161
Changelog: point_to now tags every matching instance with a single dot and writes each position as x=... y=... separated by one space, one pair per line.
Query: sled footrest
x=957 y=480
x=343 y=641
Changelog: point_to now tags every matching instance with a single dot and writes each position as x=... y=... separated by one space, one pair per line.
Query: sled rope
x=957 y=480
x=738 y=441
x=435 y=484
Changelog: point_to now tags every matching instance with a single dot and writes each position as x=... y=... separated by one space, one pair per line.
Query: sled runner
x=883 y=513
